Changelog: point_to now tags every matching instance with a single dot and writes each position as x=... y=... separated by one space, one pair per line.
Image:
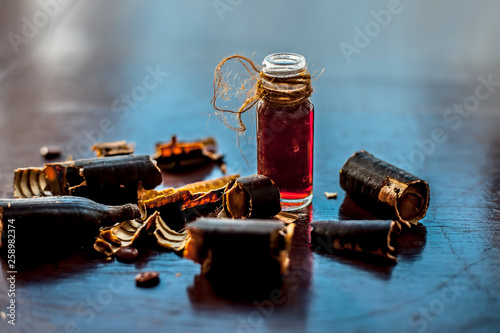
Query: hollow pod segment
x=132 y=232
x=187 y=202
x=109 y=180
x=55 y=226
x=204 y=186
x=30 y=182
x=384 y=189
x=366 y=236
x=254 y=196
x=163 y=215
x=232 y=250
x=178 y=155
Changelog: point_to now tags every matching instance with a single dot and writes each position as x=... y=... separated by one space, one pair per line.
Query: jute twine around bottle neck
x=265 y=87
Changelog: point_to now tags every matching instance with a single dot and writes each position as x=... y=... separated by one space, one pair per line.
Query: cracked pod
x=254 y=251
x=181 y=155
x=254 y=196
x=56 y=225
x=365 y=236
x=109 y=180
x=386 y=191
x=164 y=215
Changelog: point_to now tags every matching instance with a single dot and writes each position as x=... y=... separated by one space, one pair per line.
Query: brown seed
x=147 y=279
x=50 y=152
x=127 y=254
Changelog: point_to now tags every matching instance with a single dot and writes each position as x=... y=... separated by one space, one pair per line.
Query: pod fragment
x=239 y=250
x=168 y=238
x=53 y=226
x=109 y=180
x=197 y=187
x=132 y=232
x=177 y=155
x=366 y=236
x=254 y=196
x=163 y=216
x=123 y=234
x=386 y=191
x=188 y=196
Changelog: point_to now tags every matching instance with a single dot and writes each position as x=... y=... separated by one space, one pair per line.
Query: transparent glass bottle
x=285 y=130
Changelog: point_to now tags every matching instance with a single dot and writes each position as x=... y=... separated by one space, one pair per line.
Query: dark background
x=63 y=81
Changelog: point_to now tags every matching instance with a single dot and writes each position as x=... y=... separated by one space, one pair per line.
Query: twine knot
x=280 y=91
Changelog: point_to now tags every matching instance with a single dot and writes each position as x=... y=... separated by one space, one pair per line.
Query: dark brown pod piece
x=254 y=196
x=366 y=236
x=110 y=180
x=50 y=152
x=53 y=227
x=122 y=170
x=127 y=254
x=182 y=155
x=229 y=250
x=147 y=279
x=383 y=189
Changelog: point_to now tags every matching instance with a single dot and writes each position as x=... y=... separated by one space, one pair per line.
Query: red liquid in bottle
x=285 y=148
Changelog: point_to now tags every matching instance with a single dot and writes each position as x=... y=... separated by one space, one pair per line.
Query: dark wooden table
x=66 y=71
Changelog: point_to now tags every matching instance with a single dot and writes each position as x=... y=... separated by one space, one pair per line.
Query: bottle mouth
x=284 y=64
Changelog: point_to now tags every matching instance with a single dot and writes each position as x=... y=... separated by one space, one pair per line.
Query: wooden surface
x=64 y=86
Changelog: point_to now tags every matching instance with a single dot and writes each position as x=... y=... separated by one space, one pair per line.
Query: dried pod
x=168 y=238
x=52 y=225
x=182 y=206
x=253 y=196
x=208 y=185
x=183 y=198
x=123 y=234
x=188 y=196
x=120 y=170
x=366 y=236
x=186 y=202
x=110 y=180
x=176 y=155
x=203 y=186
x=383 y=189
x=105 y=149
x=30 y=182
x=239 y=250
x=129 y=233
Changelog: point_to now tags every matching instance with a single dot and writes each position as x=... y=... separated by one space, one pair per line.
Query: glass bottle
x=285 y=129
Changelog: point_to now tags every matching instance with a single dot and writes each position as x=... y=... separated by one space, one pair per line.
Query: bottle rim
x=284 y=64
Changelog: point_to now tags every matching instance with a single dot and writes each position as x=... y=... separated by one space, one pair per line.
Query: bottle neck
x=282 y=65
x=284 y=79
